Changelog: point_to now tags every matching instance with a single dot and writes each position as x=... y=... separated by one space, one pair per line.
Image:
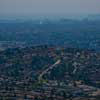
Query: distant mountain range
x=94 y=17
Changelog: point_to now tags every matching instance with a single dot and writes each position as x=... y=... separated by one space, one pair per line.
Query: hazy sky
x=48 y=7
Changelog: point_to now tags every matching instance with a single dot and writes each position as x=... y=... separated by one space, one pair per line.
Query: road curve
x=50 y=68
